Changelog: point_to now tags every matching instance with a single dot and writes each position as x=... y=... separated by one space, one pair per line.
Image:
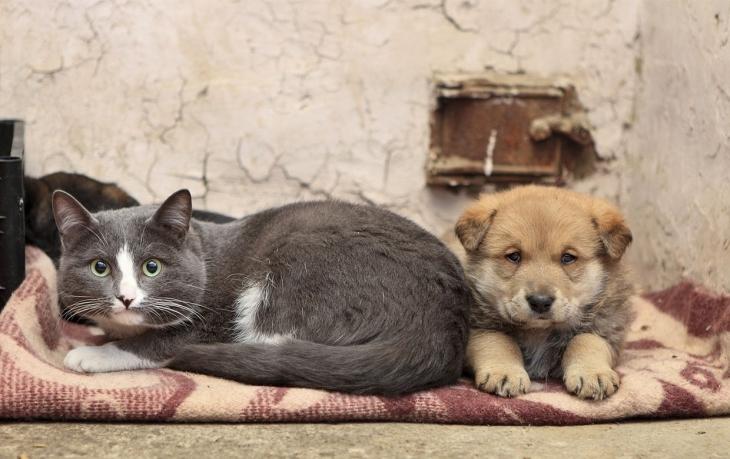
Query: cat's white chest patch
x=128 y=285
x=102 y=359
x=249 y=302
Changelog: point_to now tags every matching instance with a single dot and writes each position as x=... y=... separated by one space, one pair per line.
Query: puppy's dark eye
x=568 y=258
x=514 y=257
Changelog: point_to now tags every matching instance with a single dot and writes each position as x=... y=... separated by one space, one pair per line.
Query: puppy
x=551 y=294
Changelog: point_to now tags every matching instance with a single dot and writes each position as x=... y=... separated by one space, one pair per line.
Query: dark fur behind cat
x=40 y=229
x=322 y=294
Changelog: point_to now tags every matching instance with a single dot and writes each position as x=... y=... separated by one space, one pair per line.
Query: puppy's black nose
x=540 y=303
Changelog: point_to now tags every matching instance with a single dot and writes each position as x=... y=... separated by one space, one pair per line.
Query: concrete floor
x=705 y=438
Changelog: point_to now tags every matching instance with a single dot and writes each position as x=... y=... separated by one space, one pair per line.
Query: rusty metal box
x=498 y=128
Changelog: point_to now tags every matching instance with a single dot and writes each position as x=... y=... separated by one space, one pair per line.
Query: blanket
x=675 y=364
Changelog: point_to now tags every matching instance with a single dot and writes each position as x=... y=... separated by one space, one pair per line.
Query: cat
x=40 y=229
x=325 y=295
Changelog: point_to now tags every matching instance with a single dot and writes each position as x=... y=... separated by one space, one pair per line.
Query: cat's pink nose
x=125 y=300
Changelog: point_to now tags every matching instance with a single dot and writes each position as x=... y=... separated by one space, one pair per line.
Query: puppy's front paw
x=592 y=383
x=508 y=381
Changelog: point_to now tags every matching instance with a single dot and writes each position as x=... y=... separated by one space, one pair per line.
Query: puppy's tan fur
x=579 y=337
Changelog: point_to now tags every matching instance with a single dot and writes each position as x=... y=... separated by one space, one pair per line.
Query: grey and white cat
x=321 y=294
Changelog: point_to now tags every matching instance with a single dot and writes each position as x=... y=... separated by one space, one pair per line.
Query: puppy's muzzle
x=540 y=303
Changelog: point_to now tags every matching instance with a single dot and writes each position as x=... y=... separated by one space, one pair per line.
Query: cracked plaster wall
x=677 y=170
x=251 y=104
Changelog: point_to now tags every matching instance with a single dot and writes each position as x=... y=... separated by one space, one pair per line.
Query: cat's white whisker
x=184 y=302
x=80 y=309
x=174 y=308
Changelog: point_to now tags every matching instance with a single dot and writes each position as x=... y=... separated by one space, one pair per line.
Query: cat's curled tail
x=385 y=367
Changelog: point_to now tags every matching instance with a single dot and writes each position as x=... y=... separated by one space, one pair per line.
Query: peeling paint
x=489 y=160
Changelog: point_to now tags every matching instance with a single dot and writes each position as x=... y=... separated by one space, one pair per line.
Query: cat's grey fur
x=350 y=298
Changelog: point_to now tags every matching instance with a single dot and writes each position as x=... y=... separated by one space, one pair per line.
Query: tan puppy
x=551 y=295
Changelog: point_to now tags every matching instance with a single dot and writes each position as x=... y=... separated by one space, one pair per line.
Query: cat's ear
x=70 y=215
x=173 y=216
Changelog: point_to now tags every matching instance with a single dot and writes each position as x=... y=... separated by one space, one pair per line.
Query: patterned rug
x=676 y=364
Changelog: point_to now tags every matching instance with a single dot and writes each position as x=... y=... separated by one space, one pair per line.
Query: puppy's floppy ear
x=70 y=215
x=612 y=229
x=174 y=214
x=472 y=226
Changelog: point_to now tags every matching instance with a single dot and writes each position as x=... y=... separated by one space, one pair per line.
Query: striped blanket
x=676 y=364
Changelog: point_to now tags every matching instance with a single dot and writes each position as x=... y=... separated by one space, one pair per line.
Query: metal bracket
x=574 y=126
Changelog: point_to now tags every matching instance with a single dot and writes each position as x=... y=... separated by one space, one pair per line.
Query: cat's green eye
x=152 y=267
x=100 y=268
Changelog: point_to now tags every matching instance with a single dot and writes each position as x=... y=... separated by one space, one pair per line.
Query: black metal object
x=12 y=212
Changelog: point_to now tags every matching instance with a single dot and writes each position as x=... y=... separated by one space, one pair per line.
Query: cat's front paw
x=591 y=383
x=90 y=359
x=101 y=359
x=508 y=381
